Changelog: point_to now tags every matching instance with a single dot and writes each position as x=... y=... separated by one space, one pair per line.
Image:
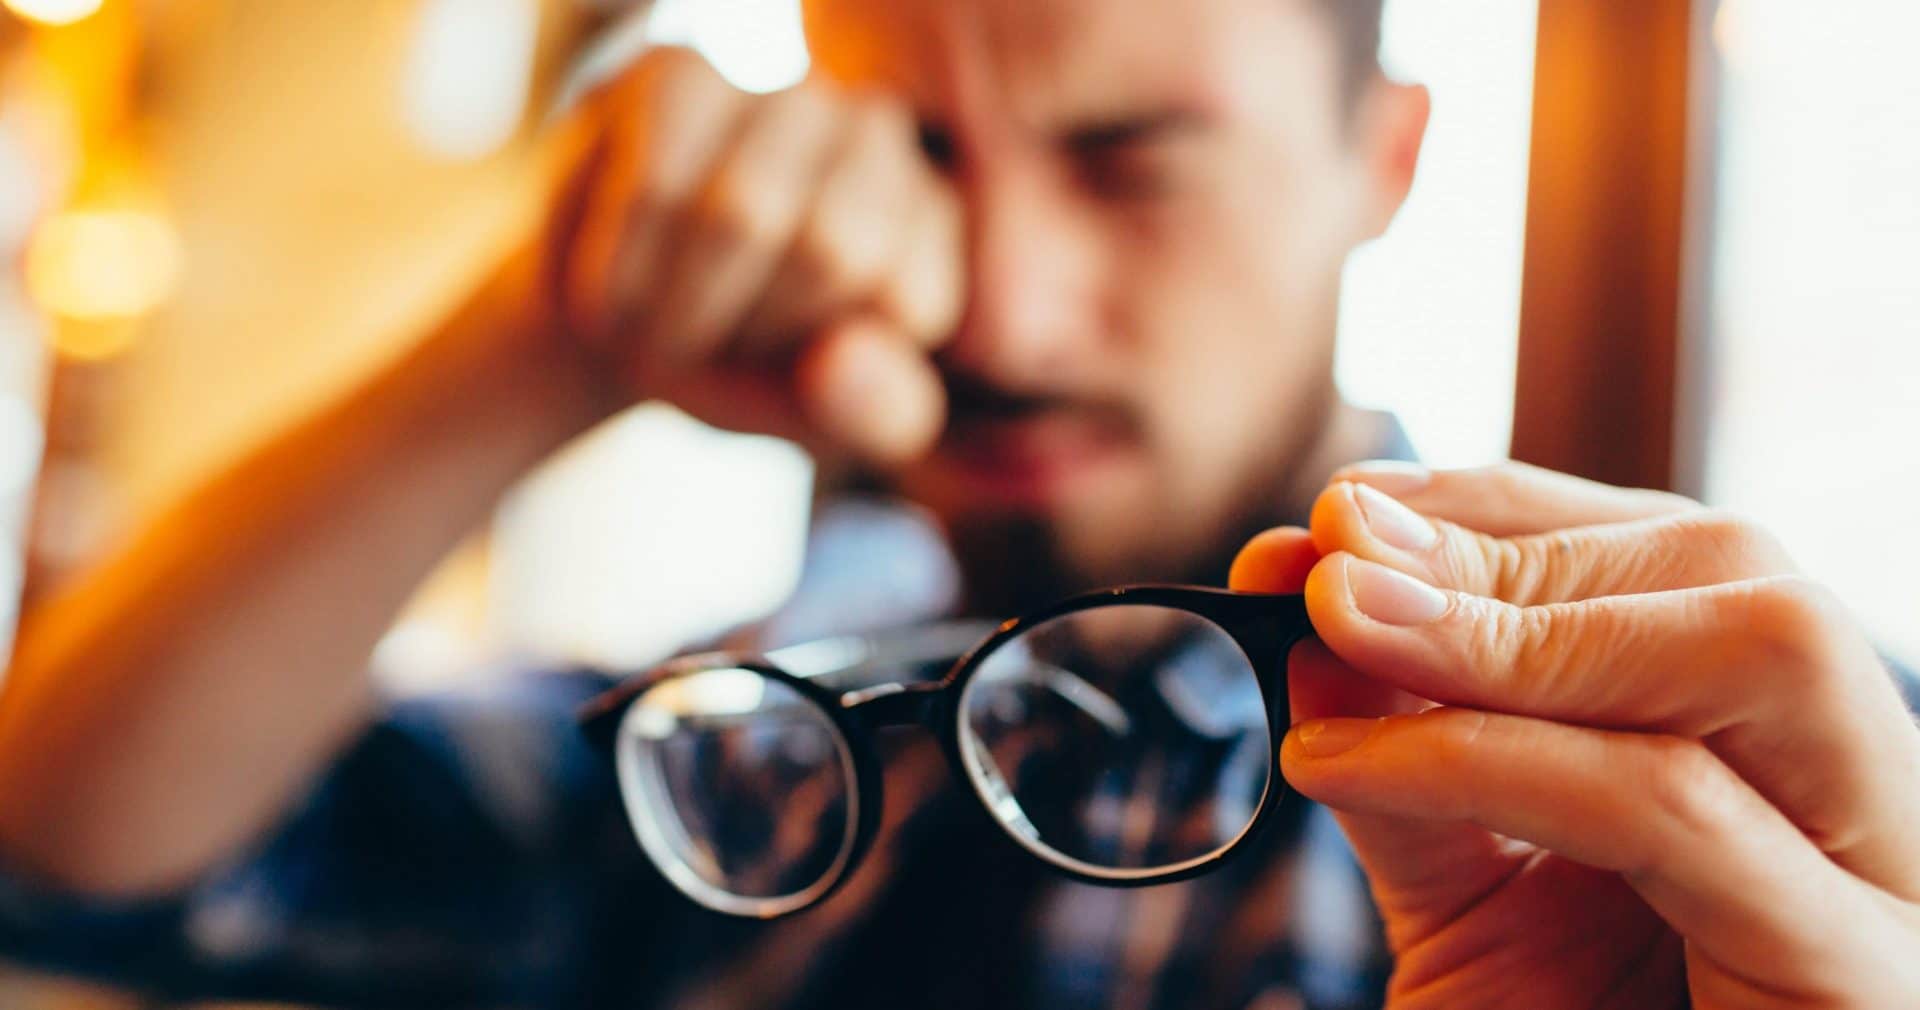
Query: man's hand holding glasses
x=1594 y=747
x=1664 y=770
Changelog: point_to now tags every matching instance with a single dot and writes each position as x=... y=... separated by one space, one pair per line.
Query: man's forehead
x=1048 y=64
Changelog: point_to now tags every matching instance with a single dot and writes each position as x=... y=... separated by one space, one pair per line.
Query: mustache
x=971 y=399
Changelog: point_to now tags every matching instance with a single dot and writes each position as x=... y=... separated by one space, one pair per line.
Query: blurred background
x=1668 y=243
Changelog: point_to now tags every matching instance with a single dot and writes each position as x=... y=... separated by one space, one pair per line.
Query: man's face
x=1160 y=195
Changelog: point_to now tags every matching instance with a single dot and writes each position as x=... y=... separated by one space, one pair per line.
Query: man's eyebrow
x=1093 y=136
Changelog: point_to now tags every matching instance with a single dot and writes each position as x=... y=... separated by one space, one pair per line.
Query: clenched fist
x=776 y=263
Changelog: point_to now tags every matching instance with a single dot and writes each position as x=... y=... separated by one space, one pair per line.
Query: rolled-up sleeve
x=446 y=856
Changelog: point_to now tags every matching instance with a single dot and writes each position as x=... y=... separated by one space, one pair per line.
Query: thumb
x=1423 y=873
x=866 y=389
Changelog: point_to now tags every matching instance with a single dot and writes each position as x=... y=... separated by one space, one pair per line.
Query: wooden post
x=1601 y=303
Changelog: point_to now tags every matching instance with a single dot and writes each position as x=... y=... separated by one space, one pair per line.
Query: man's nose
x=1029 y=307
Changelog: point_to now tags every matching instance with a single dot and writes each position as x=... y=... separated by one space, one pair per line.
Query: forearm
x=168 y=709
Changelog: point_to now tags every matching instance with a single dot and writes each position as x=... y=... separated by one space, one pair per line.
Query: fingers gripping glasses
x=1126 y=737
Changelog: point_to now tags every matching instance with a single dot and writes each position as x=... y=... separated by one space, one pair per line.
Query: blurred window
x=1431 y=313
x=1811 y=372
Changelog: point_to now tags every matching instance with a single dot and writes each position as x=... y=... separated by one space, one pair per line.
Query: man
x=1064 y=272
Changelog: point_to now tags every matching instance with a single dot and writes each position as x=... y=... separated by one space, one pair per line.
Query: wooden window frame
x=1618 y=207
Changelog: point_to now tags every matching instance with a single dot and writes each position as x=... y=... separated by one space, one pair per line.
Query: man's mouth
x=1033 y=457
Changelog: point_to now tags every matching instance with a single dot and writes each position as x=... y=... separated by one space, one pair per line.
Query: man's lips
x=1031 y=454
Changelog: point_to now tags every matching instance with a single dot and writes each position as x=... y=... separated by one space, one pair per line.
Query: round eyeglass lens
x=1121 y=742
x=741 y=790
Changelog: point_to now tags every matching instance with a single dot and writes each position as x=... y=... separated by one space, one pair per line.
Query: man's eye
x=937 y=144
x=1131 y=173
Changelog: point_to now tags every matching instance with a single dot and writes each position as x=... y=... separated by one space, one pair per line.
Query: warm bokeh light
x=53 y=12
x=93 y=339
x=103 y=265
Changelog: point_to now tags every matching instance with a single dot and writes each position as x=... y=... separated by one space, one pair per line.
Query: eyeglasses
x=1125 y=738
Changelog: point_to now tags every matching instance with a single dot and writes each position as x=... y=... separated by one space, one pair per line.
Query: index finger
x=1690 y=548
x=1511 y=499
x=923 y=294
x=1769 y=673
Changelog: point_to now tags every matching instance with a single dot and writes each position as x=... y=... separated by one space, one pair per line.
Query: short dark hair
x=1356 y=25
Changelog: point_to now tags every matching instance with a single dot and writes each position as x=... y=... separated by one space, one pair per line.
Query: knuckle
x=674 y=63
x=880 y=120
x=798 y=102
x=877 y=164
x=1524 y=565
x=1737 y=543
x=1658 y=502
x=1495 y=633
x=1790 y=627
x=1552 y=645
x=1524 y=481
x=669 y=76
x=1509 y=477
x=735 y=216
x=830 y=253
x=925 y=306
x=646 y=194
x=1521 y=486
x=807 y=102
x=677 y=218
x=1459 y=731
x=1465 y=565
x=1455 y=738
x=668 y=59
x=1691 y=789
x=942 y=219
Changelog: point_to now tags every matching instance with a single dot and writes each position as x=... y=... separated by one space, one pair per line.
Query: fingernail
x=1392 y=598
x=1390 y=475
x=1392 y=523
x=1325 y=738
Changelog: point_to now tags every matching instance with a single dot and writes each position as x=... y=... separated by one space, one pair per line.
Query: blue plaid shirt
x=470 y=849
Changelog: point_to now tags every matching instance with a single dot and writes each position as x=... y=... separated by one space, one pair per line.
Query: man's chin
x=1025 y=538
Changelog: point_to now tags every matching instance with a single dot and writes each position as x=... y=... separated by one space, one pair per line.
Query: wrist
x=509 y=355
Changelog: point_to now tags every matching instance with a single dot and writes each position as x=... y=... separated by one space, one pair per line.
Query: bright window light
x=653 y=532
x=1431 y=313
x=1814 y=355
x=468 y=72
x=757 y=45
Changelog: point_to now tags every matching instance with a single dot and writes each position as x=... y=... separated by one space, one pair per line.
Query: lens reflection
x=1119 y=741
x=741 y=790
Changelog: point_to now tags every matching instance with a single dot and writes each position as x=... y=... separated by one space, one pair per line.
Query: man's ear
x=1392 y=129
